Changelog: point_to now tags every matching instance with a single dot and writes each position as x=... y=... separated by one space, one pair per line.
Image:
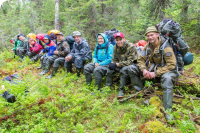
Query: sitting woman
x=103 y=55
x=34 y=49
x=49 y=50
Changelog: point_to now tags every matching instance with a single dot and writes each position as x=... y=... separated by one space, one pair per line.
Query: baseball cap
x=120 y=34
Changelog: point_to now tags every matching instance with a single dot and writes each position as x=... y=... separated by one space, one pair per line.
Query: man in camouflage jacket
x=150 y=66
x=124 y=54
x=58 y=58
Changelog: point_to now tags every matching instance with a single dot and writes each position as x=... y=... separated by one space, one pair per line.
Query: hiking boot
x=42 y=73
x=41 y=65
x=69 y=69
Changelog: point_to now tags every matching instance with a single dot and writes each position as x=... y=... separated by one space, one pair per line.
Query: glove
x=112 y=66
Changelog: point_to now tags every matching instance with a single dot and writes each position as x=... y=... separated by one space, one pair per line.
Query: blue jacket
x=81 y=50
x=102 y=57
x=50 y=47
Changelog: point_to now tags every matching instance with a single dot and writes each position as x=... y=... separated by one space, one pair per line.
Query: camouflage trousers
x=78 y=62
x=21 y=52
x=54 y=59
x=110 y=73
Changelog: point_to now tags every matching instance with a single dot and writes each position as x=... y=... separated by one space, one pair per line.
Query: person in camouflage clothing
x=80 y=54
x=23 y=47
x=124 y=55
x=150 y=66
x=58 y=58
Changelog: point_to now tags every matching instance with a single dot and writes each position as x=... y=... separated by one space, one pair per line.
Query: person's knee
x=133 y=70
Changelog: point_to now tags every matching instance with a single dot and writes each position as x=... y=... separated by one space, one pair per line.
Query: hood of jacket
x=105 y=40
x=47 y=36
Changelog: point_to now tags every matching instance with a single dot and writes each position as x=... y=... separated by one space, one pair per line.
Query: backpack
x=15 y=78
x=111 y=35
x=70 y=40
x=107 y=45
x=171 y=31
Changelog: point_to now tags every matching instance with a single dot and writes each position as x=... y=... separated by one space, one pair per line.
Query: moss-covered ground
x=65 y=104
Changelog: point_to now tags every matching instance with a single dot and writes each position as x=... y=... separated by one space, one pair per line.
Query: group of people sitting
x=106 y=60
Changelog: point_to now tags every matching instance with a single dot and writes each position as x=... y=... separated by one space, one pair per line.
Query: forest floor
x=65 y=104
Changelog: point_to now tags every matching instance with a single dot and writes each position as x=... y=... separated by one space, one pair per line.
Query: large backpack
x=111 y=35
x=70 y=40
x=171 y=31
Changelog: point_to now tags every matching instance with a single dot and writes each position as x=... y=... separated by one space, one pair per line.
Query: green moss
x=156 y=102
x=155 y=127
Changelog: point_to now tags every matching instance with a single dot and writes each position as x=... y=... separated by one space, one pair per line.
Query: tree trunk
x=57 y=14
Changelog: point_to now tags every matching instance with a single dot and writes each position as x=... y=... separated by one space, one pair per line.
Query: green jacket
x=125 y=55
x=17 y=43
x=23 y=44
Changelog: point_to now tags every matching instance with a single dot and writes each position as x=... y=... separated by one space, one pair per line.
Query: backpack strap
x=108 y=43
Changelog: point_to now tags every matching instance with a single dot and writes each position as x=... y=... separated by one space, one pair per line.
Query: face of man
x=120 y=41
x=31 y=41
x=21 y=38
x=60 y=38
x=46 y=40
x=152 y=37
x=100 y=39
x=78 y=39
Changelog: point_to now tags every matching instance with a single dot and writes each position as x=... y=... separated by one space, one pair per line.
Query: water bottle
x=180 y=62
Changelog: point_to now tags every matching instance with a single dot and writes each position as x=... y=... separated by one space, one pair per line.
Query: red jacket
x=40 y=36
x=36 y=48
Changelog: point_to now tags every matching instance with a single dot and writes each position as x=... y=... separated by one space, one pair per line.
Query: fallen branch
x=132 y=96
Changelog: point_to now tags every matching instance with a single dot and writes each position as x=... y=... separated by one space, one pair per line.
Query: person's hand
x=41 y=57
x=117 y=64
x=152 y=75
x=12 y=50
x=17 y=48
x=68 y=58
x=41 y=52
x=146 y=74
x=55 y=52
x=96 y=64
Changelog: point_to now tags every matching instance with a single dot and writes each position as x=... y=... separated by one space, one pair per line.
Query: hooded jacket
x=101 y=56
x=50 y=47
x=81 y=50
x=17 y=43
x=36 y=48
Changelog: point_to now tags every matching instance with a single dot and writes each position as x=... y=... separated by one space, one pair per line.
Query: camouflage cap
x=151 y=29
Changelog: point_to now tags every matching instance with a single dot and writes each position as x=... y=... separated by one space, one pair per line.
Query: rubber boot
x=136 y=82
x=54 y=71
x=97 y=83
x=78 y=71
x=167 y=102
x=44 y=70
x=69 y=70
x=41 y=65
x=109 y=80
x=121 y=87
x=88 y=78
